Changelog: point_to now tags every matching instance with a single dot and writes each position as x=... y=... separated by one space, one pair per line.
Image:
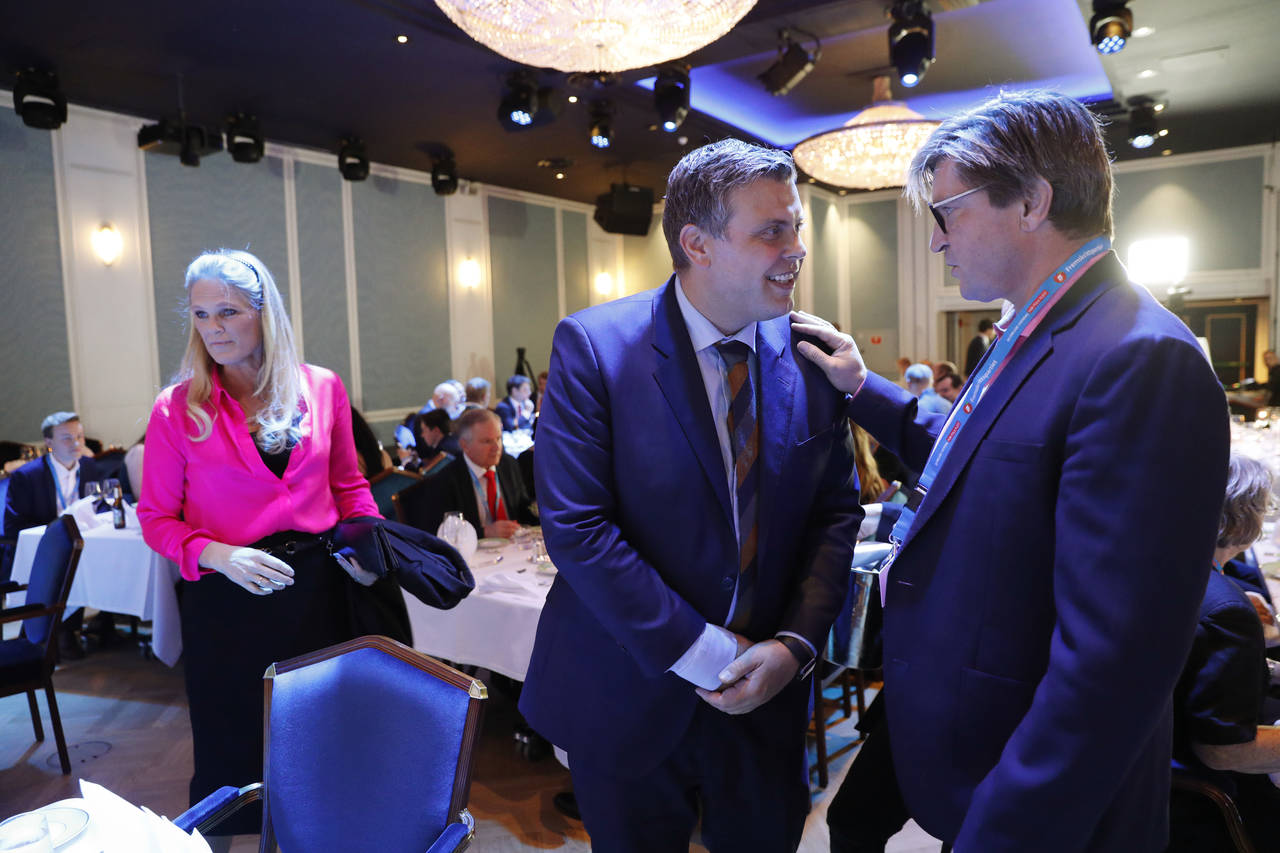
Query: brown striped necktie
x=744 y=439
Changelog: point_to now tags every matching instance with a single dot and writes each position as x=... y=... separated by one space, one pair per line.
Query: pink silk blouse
x=220 y=490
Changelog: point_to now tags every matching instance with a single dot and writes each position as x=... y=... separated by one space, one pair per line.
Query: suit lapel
x=775 y=405
x=680 y=381
x=1104 y=275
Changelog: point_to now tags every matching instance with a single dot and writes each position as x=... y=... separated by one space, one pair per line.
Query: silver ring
x=277 y=584
x=262 y=587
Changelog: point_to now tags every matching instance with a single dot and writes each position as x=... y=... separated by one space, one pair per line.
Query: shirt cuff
x=808 y=645
x=701 y=664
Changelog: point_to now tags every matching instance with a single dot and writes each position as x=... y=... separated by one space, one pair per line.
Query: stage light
x=37 y=98
x=1111 y=25
x=519 y=102
x=911 y=41
x=793 y=65
x=671 y=95
x=1144 y=128
x=601 y=124
x=352 y=161
x=189 y=141
x=444 y=175
x=244 y=138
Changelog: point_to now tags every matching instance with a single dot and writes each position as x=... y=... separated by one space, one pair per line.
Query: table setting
x=98 y=821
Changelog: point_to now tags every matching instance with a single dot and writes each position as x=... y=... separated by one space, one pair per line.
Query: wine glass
x=94 y=490
x=110 y=489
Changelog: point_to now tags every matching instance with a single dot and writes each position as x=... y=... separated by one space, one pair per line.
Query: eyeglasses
x=933 y=208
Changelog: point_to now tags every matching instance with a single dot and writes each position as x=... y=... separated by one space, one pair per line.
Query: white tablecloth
x=120 y=574
x=495 y=625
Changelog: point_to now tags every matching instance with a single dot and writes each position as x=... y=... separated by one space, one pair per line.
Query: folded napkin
x=85 y=515
x=121 y=827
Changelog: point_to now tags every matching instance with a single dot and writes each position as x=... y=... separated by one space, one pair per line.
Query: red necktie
x=497 y=512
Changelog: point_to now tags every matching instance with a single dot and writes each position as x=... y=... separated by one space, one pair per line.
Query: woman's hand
x=352 y=566
x=256 y=571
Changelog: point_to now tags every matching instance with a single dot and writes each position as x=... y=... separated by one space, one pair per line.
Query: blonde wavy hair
x=279 y=383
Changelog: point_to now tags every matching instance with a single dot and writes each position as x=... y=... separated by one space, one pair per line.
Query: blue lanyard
x=1026 y=320
x=63 y=500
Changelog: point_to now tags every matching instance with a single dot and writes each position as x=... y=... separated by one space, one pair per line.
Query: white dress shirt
x=68 y=482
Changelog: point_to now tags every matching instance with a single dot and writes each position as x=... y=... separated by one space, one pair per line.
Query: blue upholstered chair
x=369 y=746
x=27 y=661
x=385 y=484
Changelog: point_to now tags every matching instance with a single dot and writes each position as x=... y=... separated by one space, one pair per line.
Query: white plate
x=491 y=543
x=65 y=823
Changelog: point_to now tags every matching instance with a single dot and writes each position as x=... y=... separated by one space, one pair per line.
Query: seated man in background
x=947 y=386
x=484 y=484
x=920 y=383
x=437 y=445
x=516 y=409
x=477 y=393
x=1221 y=734
x=40 y=490
x=445 y=397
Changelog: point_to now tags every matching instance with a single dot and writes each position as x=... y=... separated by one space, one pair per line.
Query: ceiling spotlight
x=519 y=102
x=1111 y=25
x=559 y=166
x=573 y=99
x=910 y=41
x=601 y=124
x=1143 y=127
x=671 y=95
x=402 y=39
x=244 y=138
x=444 y=173
x=37 y=98
x=793 y=65
x=352 y=161
x=190 y=142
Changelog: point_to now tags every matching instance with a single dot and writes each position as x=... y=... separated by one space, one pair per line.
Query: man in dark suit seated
x=483 y=484
x=515 y=409
x=40 y=490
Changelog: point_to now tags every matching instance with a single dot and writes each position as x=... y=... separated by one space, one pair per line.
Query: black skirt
x=229 y=638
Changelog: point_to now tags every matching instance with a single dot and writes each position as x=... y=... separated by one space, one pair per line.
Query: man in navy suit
x=40 y=490
x=696 y=485
x=1027 y=677
x=515 y=409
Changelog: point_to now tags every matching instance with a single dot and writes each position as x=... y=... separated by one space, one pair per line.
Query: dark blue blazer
x=636 y=513
x=1028 y=670
x=32 y=498
x=510 y=420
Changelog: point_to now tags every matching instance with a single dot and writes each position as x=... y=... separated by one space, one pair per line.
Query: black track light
x=352 y=161
x=1144 y=126
x=444 y=175
x=793 y=65
x=911 y=41
x=601 y=124
x=1111 y=25
x=671 y=96
x=519 y=102
x=189 y=141
x=244 y=138
x=37 y=98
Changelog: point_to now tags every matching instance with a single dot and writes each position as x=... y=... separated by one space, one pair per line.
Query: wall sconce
x=469 y=273
x=107 y=244
x=604 y=284
x=1159 y=260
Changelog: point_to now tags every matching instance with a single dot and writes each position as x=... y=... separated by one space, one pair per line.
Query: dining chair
x=422 y=505
x=369 y=745
x=386 y=483
x=28 y=660
x=1184 y=781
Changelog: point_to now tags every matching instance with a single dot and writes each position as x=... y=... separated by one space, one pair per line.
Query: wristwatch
x=800 y=651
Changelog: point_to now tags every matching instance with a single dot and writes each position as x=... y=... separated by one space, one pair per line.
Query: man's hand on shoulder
x=755 y=677
x=841 y=362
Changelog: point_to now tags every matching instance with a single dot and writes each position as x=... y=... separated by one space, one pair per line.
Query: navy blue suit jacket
x=1028 y=673
x=635 y=508
x=32 y=498
x=507 y=410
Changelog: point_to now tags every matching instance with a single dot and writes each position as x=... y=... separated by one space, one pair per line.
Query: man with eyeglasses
x=1027 y=674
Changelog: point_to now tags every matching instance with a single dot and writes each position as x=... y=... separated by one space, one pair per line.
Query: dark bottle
x=117 y=507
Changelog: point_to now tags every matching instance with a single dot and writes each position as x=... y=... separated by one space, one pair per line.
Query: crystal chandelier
x=595 y=35
x=872 y=150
